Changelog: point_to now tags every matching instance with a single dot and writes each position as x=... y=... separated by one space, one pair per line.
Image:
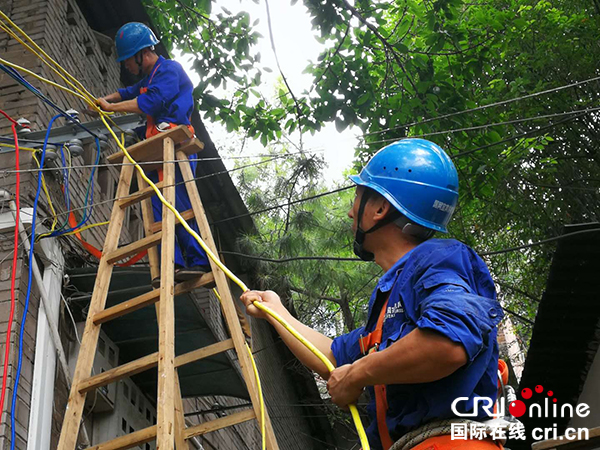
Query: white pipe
x=44 y=367
x=42 y=395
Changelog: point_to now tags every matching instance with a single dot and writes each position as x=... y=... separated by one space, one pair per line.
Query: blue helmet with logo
x=133 y=37
x=418 y=178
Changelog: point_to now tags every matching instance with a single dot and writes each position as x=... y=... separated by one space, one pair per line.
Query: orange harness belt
x=369 y=344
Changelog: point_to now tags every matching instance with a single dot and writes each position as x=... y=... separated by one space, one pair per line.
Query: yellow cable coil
x=183 y=222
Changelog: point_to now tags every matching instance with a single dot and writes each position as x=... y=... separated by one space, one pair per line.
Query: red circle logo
x=517 y=408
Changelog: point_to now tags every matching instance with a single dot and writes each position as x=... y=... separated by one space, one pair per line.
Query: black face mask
x=359 y=237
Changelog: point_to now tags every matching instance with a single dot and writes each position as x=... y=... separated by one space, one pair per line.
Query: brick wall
x=60 y=29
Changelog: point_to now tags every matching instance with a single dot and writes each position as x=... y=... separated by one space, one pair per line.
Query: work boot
x=156 y=281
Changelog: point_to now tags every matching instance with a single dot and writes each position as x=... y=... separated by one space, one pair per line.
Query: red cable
x=14 y=266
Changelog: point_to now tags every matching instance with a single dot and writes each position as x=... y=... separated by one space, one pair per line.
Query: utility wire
x=491 y=105
x=497 y=124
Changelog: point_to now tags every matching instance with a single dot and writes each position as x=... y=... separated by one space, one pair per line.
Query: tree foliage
x=429 y=68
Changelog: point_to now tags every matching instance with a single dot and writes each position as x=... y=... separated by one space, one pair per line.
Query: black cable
x=479 y=108
x=297 y=258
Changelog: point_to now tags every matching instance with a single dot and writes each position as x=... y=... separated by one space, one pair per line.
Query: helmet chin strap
x=139 y=58
x=360 y=235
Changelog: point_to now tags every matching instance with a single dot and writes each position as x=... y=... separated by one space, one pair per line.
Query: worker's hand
x=269 y=298
x=342 y=389
x=91 y=111
x=103 y=104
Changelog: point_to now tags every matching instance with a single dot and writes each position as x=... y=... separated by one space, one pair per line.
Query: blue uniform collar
x=158 y=62
x=386 y=282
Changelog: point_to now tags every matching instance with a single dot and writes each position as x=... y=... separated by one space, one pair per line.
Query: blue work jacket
x=440 y=285
x=168 y=97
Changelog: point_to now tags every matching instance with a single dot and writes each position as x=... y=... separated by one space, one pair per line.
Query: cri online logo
x=517 y=408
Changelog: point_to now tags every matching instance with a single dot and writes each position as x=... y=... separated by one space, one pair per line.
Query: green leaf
x=363 y=98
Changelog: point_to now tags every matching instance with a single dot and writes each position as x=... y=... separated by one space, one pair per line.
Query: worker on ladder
x=164 y=94
x=430 y=336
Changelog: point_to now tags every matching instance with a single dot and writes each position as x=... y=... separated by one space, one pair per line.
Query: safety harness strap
x=369 y=344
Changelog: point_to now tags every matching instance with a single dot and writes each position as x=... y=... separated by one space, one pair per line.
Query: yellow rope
x=183 y=222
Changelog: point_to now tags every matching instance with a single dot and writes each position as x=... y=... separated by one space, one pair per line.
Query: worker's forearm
x=323 y=343
x=129 y=106
x=114 y=97
x=421 y=356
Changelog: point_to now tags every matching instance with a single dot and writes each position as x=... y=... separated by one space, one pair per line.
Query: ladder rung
x=129 y=440
x=125 y=370
x=217 y=424
x=149 y=298
x=157 y=226
x=203 y=352
x=139 y=196
x=149 y=361
x=134 y=247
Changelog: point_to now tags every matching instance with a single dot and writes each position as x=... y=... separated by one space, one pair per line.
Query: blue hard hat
x=133 y=37
x=418 y=178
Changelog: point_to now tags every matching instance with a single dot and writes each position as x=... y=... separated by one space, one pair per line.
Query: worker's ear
x=382 y=208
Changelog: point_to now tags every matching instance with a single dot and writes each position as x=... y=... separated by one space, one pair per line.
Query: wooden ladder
x=170 y=430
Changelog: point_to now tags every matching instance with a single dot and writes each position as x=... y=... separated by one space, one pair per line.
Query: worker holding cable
x=164 y=94
x=430 y=336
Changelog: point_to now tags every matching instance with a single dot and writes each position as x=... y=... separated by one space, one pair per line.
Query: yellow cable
x=260 y=398
x=45 y=80
x=28 y=149
x=258 y=387
x=87 y=227
x=45 y=188
x=38 y=48
x=18 y=39
x=353 y=410
x=182 y=221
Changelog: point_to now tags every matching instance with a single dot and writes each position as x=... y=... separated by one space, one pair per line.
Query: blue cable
x=22 y=332
x=66 y=184
x=88 y=211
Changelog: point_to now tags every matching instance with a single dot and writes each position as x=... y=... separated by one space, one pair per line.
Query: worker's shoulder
x=441 y=248
x=445 y=252
x=171 y=64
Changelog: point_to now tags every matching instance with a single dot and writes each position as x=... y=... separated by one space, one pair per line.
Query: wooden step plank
x=152 y=149
x=149 y=361
x=187 y=215
x=217 y=424
x=138 y=196
x=204 y=352
x=189 y=148
x=134 y=248
x=149 y=298
x=129 y=440
x=125 y=370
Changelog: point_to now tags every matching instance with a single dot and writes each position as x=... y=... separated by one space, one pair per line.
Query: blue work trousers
x=188 y=252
